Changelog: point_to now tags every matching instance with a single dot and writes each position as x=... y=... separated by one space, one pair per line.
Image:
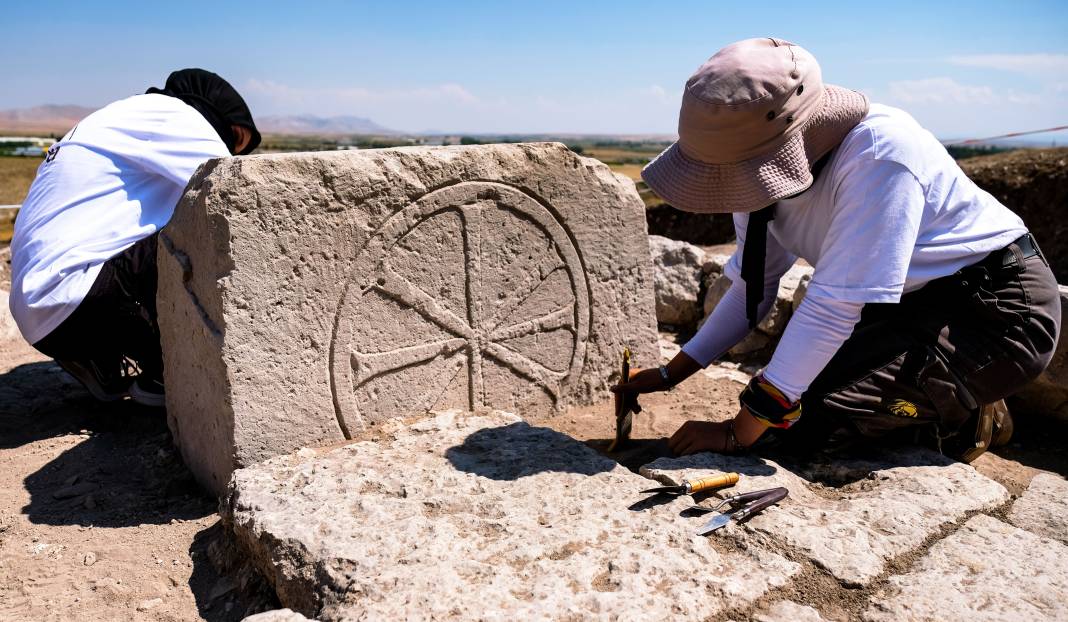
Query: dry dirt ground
x=99 y=519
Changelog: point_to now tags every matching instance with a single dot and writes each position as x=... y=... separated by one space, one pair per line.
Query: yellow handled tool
x=694 y=486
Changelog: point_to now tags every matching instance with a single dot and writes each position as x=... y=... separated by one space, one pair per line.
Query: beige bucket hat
x=754 y=119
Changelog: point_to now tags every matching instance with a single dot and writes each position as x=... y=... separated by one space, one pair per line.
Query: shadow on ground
x=121 y=470
x=238 y=592
x=1038 y=441
x=519 y=450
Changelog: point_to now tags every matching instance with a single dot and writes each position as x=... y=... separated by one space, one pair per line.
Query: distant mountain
x=47 y=119
x=55 y=119
x=310 y=124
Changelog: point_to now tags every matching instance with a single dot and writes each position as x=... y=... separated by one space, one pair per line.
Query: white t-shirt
x=113 y=180
x=890 y=212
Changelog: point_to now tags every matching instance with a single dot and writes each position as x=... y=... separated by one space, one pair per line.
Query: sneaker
x=105 y=384
x=148 y=391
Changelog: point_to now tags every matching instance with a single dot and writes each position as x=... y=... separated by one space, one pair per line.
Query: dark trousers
x=117 y=318
x=962 y=341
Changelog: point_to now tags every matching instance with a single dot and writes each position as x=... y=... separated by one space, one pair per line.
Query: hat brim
x=694 y=186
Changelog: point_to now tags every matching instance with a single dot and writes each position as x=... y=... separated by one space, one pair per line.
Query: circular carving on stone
x=474 y=296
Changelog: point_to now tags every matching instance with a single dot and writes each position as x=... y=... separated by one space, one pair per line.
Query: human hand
x=642 y=381
x=696 y=436
x=723 y=437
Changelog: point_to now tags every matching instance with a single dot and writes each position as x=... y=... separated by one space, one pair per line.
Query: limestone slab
x=988 y=571
x=485 y=517
x=891 y=505
x=1043 y=508
x=306 y=298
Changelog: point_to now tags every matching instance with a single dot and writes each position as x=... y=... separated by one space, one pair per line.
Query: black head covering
x=216 y=100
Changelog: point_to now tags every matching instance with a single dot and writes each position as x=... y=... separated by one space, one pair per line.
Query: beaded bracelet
x=768 y=405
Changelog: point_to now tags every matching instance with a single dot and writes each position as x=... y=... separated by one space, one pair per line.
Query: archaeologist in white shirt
x=930 y=302
x=83 y=256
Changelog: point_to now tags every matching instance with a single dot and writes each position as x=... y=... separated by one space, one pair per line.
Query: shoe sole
x=144 y=398
x=91 y=385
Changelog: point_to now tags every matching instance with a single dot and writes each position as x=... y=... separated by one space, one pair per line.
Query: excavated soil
x=1034 y=184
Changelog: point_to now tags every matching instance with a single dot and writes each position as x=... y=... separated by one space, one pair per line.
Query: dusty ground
x=98 y=518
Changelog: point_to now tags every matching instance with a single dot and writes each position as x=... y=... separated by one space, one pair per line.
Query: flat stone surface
x=891 y=504
x=482 y=517
x=986 y=571
x=1043 y=508
x=677 y=270
x=789 y=611
x=306 y=298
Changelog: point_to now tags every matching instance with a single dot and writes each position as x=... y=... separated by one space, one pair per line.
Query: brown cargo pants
x=968 y=339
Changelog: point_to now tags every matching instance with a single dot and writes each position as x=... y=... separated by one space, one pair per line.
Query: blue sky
x=964 y=69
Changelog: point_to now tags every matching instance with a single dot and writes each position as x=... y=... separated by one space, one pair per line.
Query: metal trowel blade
x=624 y=423
x=714 y=523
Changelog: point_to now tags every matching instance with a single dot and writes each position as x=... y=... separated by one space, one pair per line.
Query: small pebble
x=89 y=559
x=148 y=604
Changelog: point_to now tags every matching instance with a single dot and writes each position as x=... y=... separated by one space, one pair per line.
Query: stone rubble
x=677 y=271
x=1043 y=508
x=988 y=571
x=297 y=306
x=762 y=341
x=896 y=502
x=482 y=517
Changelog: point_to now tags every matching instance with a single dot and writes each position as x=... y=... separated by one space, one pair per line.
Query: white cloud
x=940 y=91
x=1051 y=65
x=661 y=95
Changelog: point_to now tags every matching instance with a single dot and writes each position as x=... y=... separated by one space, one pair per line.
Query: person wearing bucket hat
x=930 y=302
x=83 y=257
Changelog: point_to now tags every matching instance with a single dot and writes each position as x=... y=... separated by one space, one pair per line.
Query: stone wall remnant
x=306 y=298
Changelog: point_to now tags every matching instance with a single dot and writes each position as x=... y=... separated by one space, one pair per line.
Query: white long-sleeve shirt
x=111 y=181
x=890 y=212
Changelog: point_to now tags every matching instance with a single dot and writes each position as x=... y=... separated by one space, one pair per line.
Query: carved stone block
x=305 y=298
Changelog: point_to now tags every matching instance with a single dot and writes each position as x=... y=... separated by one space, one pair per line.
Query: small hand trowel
x=754 y=502
x=626 y=407
x=690 y=487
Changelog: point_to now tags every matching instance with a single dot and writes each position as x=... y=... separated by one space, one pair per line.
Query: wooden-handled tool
x=626 y=407
x=694 y=486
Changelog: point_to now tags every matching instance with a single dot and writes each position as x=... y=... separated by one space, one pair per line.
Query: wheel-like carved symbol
x=473 y=296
